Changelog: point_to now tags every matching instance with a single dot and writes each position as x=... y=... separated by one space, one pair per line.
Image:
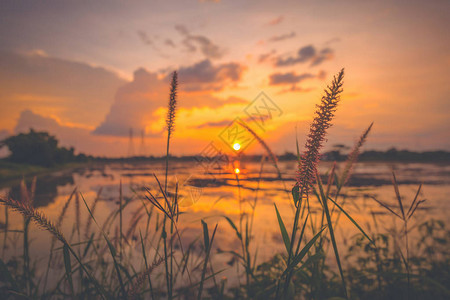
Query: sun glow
x=236 y=146
x=237 y=171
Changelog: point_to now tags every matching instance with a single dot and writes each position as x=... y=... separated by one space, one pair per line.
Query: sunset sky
x=88 y=71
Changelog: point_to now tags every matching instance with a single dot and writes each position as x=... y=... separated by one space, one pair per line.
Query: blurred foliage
x=39 y=148
x=373 y=272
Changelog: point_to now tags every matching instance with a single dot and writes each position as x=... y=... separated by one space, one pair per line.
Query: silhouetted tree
x=38 y=148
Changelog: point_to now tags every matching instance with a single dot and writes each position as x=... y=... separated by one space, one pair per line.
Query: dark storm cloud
x=282 y=37
x=307 y=54
x=206 y=46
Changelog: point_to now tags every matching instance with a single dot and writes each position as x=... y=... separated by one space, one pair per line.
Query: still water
x=224 y=193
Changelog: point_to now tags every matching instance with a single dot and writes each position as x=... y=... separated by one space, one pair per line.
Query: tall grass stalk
x=310 y=158
x=58 y=224
x=170 y=122
x=120 y=220
x=404 y=216
x=27 y=198
x=170 y=119
x=208 y=242
x=43 y=222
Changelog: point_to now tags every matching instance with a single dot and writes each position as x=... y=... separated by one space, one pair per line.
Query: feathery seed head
x=322 y=121
x=172 y=103
x=353 y=156
x=39 y=218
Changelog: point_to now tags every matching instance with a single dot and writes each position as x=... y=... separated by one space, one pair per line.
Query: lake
x=211 y=197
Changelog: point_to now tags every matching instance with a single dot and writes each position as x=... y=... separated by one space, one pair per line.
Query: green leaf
x=296 y=194
x=353 y=221
x=331 y=230
x=68 y=267
x=284 y=234
x=208 y=247
x=146 y=264
x=305 y=250
x=112 y=250
x=234 y=227
x=205 y=235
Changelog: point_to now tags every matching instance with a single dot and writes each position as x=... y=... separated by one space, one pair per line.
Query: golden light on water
x=237 y=146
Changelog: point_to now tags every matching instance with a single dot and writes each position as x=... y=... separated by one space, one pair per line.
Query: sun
x=236 y=146
x=237 y=171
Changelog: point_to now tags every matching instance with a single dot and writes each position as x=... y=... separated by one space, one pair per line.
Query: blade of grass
x=208 y=246
x=301 y=234
x=414 y=201
x=296 y=260
x=238 y=234
x=68 y=268
x=352 y=220
x=385 y=206
x=284 y=234
x=397 y=194
x=146 y=265
x=112 y=250
x=331 y=230
x=205 y=235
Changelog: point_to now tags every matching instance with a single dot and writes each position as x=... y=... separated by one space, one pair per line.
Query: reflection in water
x=227 y=193
x=46 y=188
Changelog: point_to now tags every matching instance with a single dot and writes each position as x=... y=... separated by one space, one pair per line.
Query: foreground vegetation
x=150 y=258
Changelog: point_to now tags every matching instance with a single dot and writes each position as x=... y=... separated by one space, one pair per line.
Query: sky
x=92 y=72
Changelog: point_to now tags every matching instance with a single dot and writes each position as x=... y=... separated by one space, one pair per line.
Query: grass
x=108 y=261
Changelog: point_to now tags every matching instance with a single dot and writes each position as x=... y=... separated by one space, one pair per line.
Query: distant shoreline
x=391 y=155
x=10 y=172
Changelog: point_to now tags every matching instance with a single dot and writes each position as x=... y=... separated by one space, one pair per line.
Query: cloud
x=295 y=88
x=276 y=21
x=140 y=104
x=325 y=54
x=134 y=105
x=332 y=41
x=307 y=54
x=77 y=137
x=282 y=37
x=266 y=56
x=205 y=76
x=293 y=79
x=288 y=78
x=76 y=92
x=4 y=134
x=144 y=37
x=224 y=123
x=169 y=42
x=207 y=47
